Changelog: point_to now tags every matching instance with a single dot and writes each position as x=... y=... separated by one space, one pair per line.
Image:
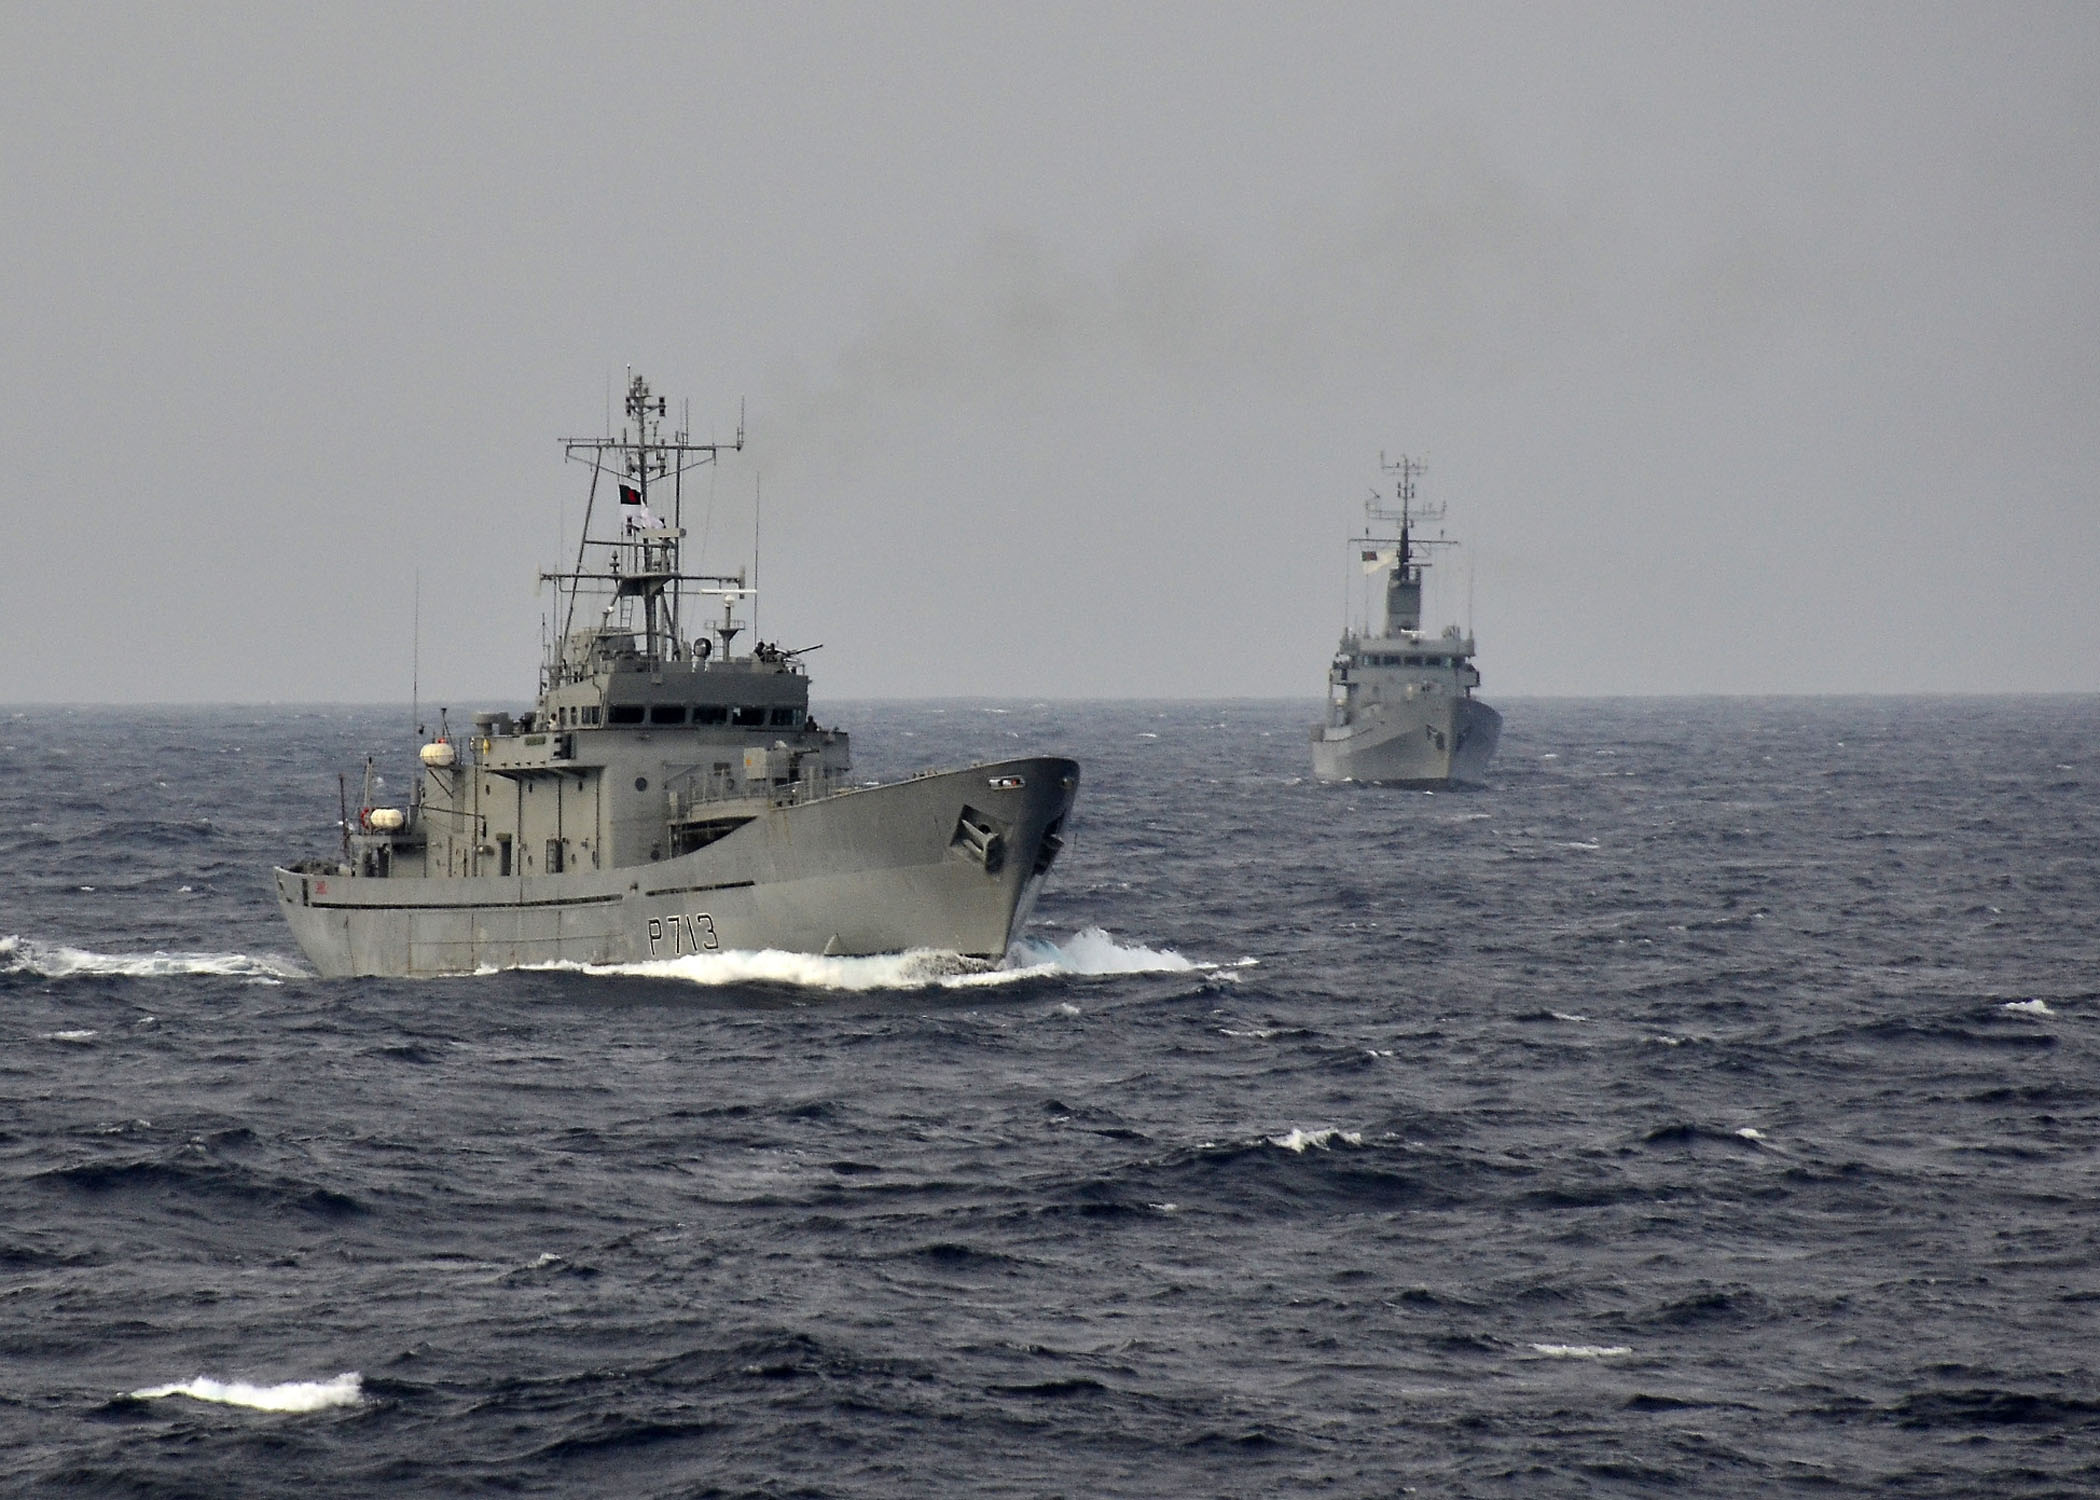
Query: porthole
x=641 y=783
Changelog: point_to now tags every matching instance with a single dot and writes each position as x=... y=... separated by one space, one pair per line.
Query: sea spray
x=297 y=1395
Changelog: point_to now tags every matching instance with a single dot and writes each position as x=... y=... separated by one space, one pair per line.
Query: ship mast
x=639 y=561
x=1409 y=558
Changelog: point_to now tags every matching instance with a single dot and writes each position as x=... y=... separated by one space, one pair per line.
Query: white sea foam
x=2028 y=1007
x=1751 y=1133
x=20 y=955
x=1085 y=954
x=1562 y=1015
x=296 y=1395
x=1298 y=1140
x=1581 y=1351
x=1089 y=952
x=71 y=1036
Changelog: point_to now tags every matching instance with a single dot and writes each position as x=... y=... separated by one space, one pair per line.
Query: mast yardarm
x=1403 y=590
x=630 y=560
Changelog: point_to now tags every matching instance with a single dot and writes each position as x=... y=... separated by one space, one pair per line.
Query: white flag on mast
x=635 y=509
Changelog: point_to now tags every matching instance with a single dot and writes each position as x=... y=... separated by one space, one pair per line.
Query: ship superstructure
x=1400 y=707
x=667 y=794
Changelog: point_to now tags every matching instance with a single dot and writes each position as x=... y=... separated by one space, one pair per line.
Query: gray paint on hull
x=1424 y=742
x=871 y=870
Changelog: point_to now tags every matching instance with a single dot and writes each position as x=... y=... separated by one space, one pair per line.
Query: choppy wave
x=346 y=1389
x=20 y=955
x=1085 y=954
x=1323 y=1139
x=1391 y=1155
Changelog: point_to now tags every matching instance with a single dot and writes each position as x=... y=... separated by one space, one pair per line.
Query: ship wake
x=1087 y=954
x=26 y=956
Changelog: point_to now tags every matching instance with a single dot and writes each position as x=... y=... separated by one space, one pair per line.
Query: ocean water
x=1712 y=1106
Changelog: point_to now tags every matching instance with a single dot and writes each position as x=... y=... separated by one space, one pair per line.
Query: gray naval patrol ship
x=1400 y=704
x=668 y=796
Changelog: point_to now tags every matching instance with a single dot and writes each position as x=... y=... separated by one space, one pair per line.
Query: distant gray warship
x=668 y=797
x=1400 y=704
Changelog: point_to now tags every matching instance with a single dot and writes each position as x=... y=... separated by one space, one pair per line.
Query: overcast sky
x=1754 y=348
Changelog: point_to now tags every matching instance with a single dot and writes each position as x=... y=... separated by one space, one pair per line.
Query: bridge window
x=624 y=713
x=667 y=713
x=749 y=718
x=590 y=714
x=710 y=713
x=784 y=718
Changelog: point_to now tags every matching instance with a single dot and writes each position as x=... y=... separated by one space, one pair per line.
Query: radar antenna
x=1390 y=540
x=636 y=566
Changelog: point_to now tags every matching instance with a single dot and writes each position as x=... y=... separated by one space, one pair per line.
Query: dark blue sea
x=1710 y=1107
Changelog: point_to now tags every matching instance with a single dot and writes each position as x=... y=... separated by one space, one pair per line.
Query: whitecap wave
x=296 y=1395
x=1581 y=1351
x=20 y=955
x=1298 y=1140
x=1086 y=954
x=2028 y=1007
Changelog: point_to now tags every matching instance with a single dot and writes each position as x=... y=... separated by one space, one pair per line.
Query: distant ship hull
x=948 y=861
x=1430 y=742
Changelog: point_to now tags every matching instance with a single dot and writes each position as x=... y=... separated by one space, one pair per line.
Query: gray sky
x=1755 y=348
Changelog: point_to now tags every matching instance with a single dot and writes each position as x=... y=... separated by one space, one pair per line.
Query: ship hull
x=947 y=861
x=1425 y=742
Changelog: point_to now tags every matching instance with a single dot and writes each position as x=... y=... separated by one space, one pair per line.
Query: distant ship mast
x=1403 y=589
x=638 y=564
